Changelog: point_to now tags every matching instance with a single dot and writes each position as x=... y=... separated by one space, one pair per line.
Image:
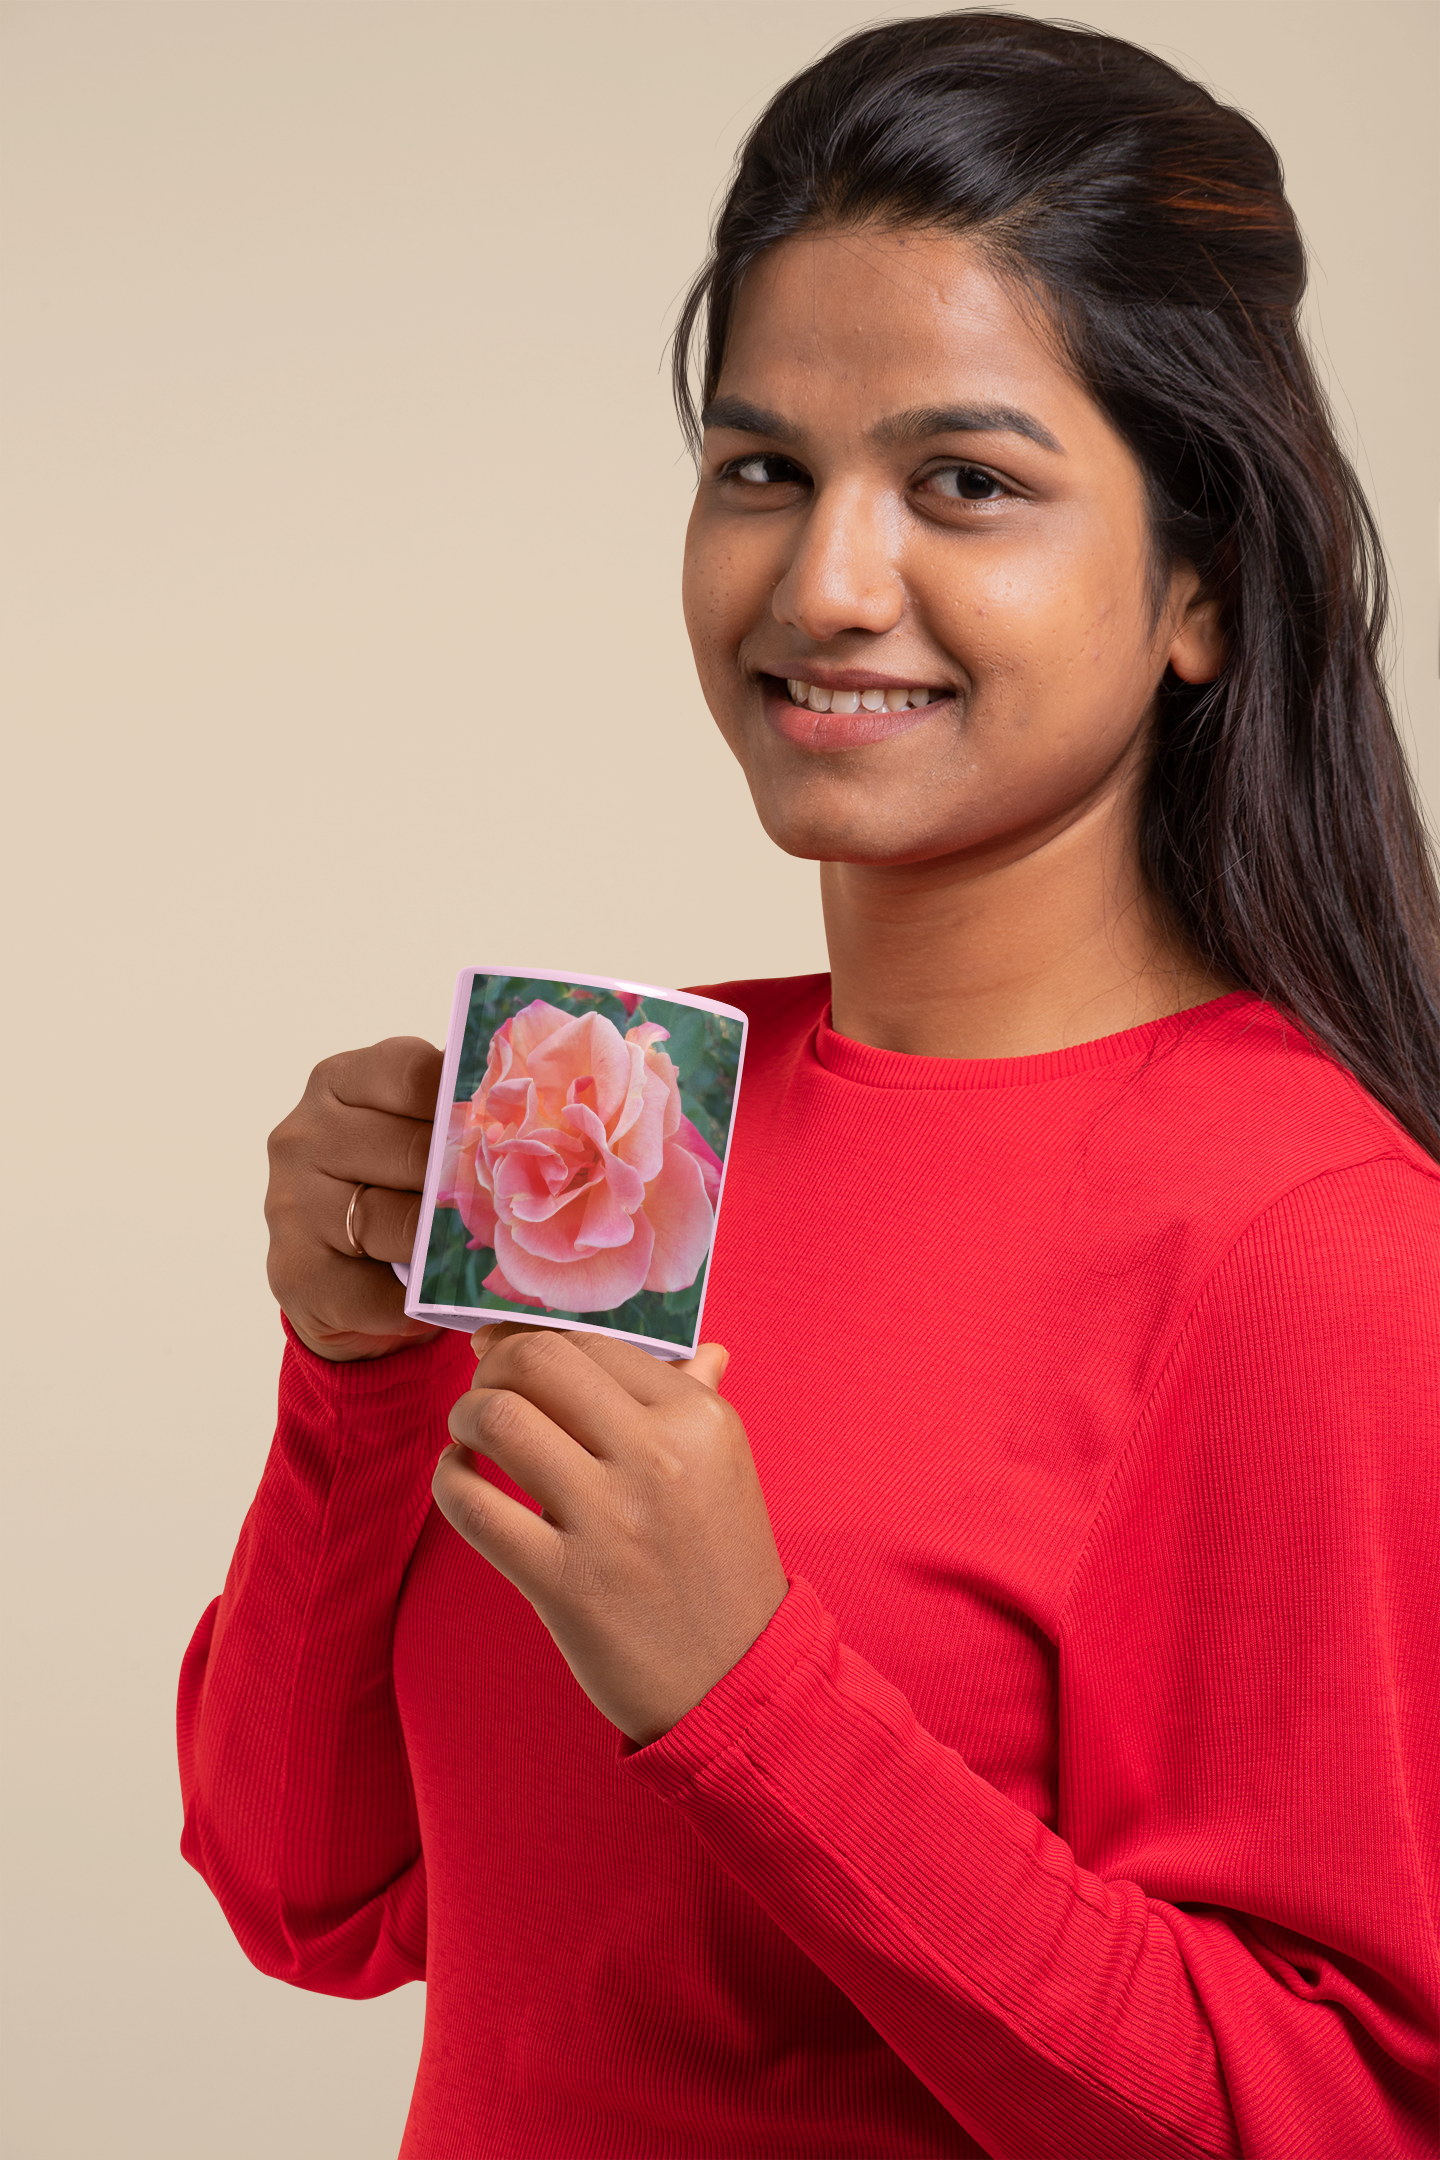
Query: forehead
x=863 y=322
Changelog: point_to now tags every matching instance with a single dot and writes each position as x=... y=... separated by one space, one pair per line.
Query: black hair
x=1279 y=824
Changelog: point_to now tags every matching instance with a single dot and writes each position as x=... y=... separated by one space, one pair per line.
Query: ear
x=1197 y=649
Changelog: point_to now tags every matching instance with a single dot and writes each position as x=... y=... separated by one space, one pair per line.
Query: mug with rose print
x=578 y=1157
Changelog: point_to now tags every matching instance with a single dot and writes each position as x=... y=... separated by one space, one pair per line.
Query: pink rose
x=574 y=1161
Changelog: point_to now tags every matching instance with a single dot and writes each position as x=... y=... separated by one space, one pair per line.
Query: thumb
x=708 y=1364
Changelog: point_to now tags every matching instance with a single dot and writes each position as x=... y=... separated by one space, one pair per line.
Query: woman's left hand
x=653 y=1563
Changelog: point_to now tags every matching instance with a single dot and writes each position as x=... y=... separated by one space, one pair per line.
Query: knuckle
x=283 y=1213
x=496 y=1415
x=472 y=1519
x=580 y=1573
x=464 y=1505
x=620 y=1533
x=285 y=1138
x=679 y=1450
x=324 y=1075
x=666 y=1464
x=714 y=1418
x=419 y=1077
x=534 y=1353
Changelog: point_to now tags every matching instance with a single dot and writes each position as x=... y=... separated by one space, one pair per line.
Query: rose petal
x=498 y=1062
x=689 y=1136
x=533 y=1025
x=510 y=1103
x=604 y=1223
x=557 y=1231
x=586 y=1048
x=627 y=1180
x=595 y=1284
x=531 y=1178
x=663 y=1067
x=463 y=1179
x=643 y=1145
x=477 y=1212
x=496 y=1284
x=450 y=1166
x=682 y=1218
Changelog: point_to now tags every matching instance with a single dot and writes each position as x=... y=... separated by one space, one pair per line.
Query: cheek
x=728 y=579
x=1046 y=623
x=705 y=595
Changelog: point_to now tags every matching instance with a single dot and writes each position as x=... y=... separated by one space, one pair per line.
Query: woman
x=999 y=1724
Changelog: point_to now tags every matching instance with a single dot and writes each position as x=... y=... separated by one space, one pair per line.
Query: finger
x=564 y=1377
x=524 y=1549
x=650 y=1380
x=543 y=1459
x=370 y=1147
x=707 y=1366
x=400 y=1075
x=324 y=1295
x=383 y=1224
x=492 y=1331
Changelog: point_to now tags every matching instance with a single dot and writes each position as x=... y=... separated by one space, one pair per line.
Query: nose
x=843 y=573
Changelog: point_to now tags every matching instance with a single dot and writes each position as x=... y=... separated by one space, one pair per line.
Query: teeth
x=849 y=701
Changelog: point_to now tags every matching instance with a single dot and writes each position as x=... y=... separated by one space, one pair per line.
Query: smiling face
x=917 y=575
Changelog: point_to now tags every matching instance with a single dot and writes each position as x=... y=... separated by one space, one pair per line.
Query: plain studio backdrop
x=344 y=511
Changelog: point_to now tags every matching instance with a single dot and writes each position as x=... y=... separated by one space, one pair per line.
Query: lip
x=844 y=731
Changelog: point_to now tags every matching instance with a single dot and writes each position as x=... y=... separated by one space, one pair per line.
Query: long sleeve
x=299 y=1807
x=1230 y=1946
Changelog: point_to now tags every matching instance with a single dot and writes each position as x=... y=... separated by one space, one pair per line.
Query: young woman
x=1001 y=1723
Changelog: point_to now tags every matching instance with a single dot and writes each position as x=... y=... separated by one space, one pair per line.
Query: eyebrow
x=964 y=420
x=744 y=418
x=747 y=419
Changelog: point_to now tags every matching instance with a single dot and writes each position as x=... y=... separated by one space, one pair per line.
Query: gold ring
x=355 y=1246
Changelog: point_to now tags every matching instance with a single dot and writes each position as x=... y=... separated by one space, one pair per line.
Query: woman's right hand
x=364 y=1119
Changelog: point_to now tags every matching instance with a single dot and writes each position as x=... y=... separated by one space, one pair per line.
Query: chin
x=840 y=834
x=891 y=803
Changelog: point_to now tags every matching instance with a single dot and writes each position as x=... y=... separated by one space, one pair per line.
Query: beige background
x=343 y=649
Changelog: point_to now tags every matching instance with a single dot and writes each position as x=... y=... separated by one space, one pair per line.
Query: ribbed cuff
x=416 y=1368
x=799 y=1637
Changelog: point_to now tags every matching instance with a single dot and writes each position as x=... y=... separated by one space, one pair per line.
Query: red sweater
x=1080 y=1798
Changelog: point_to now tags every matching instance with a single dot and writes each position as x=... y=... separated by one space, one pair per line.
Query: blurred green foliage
x=706 y=1049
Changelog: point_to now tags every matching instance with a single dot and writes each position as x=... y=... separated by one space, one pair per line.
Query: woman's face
x=904 y=491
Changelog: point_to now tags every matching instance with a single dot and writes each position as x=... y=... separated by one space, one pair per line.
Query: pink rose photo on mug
x=578 y=1157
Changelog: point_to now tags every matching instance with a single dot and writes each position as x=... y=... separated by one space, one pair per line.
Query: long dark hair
x=1279 y=825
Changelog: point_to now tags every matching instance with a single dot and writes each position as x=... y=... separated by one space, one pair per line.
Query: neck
x=982 y=956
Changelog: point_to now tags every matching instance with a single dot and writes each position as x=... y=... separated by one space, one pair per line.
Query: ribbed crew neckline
x=869 y=1067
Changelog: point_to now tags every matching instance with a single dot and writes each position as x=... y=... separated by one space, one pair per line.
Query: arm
x=1231 y=1949
x=299 y=1811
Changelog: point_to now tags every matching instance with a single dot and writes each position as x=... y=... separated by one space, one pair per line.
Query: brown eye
x=964 y=483
x=765 y=469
